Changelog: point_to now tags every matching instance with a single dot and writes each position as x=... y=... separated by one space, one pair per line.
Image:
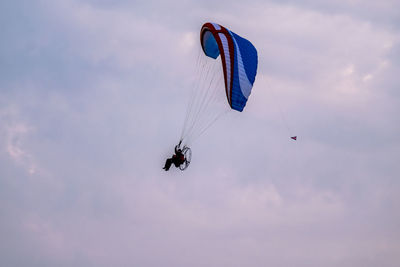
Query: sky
x=93 y=95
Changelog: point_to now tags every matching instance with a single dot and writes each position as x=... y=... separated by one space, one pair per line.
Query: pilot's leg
x=168 y=163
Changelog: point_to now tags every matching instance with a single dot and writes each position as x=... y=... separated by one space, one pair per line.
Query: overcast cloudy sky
x=92 y=100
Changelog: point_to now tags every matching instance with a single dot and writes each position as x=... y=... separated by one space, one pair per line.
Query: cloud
x=93 y=97
x=14 y=132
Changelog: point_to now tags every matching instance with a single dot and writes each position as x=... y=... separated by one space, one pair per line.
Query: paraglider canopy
x=239 y=61
x=226 y=61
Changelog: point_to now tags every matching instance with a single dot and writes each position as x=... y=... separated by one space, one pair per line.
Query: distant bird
x=294 y=137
